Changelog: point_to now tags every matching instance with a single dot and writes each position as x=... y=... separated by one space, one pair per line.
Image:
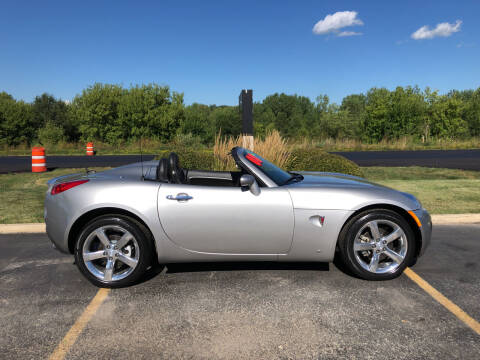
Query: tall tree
x=16 y=121
x=49 y=110
x=96 y=111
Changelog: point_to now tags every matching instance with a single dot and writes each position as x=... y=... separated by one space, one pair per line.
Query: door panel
x=227 y=219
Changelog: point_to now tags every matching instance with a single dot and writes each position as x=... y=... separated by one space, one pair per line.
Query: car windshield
x=279 y=176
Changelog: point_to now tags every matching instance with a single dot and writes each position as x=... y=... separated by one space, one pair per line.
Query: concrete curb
x=22 y=228
x=451 y=219
x=441 y=219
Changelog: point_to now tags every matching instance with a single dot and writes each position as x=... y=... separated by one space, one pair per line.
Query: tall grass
x=147 y=146
x=403 y=143
x=273 y=148
x=151 y=146
x=221 y=150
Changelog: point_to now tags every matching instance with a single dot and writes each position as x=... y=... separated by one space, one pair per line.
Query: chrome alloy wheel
x=110 y=253
x=380 y=246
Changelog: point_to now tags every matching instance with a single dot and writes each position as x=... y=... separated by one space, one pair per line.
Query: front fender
x=350 y=198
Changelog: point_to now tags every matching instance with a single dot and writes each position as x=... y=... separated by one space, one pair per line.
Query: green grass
x=441 y=191
x=22 y=195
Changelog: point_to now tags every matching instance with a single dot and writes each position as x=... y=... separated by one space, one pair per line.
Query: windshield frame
x=239 y=154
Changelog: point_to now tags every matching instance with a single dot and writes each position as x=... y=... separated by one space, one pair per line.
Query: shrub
x=319 y=160
x=191 y=158
x=51 y=134
x=303 y=159
x=187 y=140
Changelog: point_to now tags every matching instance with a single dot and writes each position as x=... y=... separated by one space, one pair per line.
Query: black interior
x=170 y=171
x=214 y=178
x=176 y=173
x=162 y=170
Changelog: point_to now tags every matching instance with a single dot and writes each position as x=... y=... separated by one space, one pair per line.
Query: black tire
x=143 y=240
x=351 y=229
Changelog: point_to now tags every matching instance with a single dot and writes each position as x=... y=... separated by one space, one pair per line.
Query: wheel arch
x=399 y=210
x=92 y=214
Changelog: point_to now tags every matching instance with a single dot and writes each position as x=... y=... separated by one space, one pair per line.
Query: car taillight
x=59 y=188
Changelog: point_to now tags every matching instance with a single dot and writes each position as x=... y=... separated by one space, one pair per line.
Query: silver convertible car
x=120 y=222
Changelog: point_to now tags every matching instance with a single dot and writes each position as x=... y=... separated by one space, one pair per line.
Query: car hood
x=346 y=189
x=328 y=179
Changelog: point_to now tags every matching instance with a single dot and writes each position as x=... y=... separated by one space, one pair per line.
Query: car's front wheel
x=377 y=244
x=113 y=251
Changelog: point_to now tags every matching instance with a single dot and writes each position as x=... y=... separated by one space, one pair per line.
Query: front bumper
x=425 y=229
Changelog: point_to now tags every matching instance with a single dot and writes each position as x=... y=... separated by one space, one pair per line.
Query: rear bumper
x=56 y=220
x=425 y=229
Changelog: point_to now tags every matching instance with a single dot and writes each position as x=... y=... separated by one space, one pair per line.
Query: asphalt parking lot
x=242 y=311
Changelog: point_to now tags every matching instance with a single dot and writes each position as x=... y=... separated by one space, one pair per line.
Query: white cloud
x=334 y=22
x=443 y=29
x=348 y=33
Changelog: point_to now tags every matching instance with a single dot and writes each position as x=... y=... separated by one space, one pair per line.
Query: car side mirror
x=248 y=182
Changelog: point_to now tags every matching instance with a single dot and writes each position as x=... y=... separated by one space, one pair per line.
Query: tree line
x=114 y=114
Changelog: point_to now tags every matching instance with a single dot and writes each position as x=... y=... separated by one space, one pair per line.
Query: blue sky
x=210 y=50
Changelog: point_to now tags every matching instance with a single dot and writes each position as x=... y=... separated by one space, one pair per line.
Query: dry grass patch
x=403 y=143
x=273 y=147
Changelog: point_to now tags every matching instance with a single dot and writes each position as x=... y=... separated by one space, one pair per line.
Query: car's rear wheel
x=377 y=244
x=113 y=251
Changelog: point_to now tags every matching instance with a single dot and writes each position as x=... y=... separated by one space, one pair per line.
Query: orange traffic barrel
x=39 y=163
x=90 y=149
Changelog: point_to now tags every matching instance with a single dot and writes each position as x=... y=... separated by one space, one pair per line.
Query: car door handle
x=180 y=197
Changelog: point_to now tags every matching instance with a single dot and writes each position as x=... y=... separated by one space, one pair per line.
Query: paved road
x=24 y=163
x=242 y=311
x=453 y=159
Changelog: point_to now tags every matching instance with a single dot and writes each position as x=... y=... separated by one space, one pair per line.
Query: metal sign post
x=246 y=108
